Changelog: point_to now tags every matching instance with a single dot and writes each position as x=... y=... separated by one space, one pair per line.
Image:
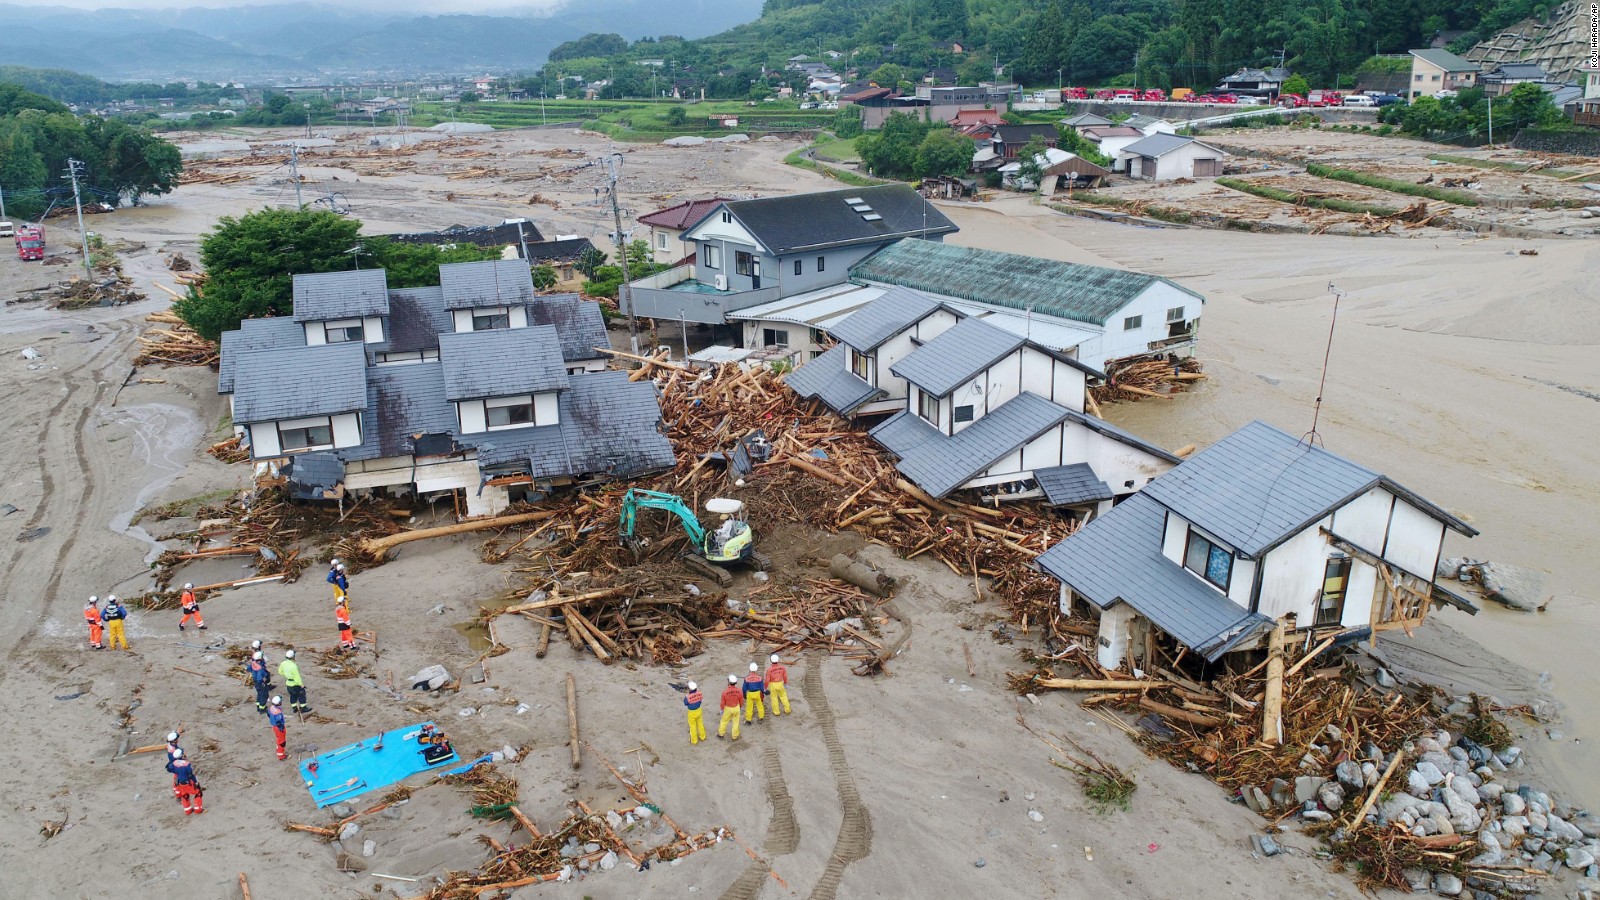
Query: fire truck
x=30 y=242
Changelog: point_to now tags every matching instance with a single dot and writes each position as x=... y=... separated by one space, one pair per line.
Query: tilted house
x=479 y=385
x=1257 y=527
x=978 y=408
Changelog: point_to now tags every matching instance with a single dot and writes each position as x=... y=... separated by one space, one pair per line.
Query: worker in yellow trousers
x=753 y=686
x=697 y=718
x=115 y=616
x=730 y=708
x=778 y=685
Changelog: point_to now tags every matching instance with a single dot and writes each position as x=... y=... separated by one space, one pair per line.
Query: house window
x=727 y=217
x=743 y=263
x=1435 y=78
x=490 y=319
x=305 y=434
x=1417 y=77
x=513 y=414
x=1210 y=561
x=1335 y=581
x=774 y=337
x=928 y=406
x=711 y=256
x=343 y=331
x=1132 y=323
x=1175 y=314
x=661 y=240
x=822 y=264
x=797 y=265
x=861 y=365
x=962 y=413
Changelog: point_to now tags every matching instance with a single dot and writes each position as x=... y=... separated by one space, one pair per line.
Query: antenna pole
x=1312 y=438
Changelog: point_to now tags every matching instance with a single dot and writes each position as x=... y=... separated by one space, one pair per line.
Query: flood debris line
x=1136 y=379
x=174 y=345
x=77 y=293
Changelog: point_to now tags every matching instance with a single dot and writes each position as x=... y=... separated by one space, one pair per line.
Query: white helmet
x=256 y=655
x=693 y=686
x=754 y=667
x=172 y=737
x=188 y=585
x=277 y=701
x=334 y=563
x=93 y=600
x=341 y=567
x=111 y=598
x=178 y=753
x=775 y=657
x=288 y=654
x=733 y=679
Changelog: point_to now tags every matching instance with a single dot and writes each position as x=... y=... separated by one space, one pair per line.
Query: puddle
x=162 y=437
x=476 y=635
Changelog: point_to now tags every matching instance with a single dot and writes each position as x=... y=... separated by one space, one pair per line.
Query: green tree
x=943 y=152
x=1043 y=49
x=1296 y=84
x=417 y=265
x=591 y=259
x=892 y=149
x=544 y=277
x=676 y=116
x=469 y=97
x=1030 y=163
x=887 y=75
x=1075 y=143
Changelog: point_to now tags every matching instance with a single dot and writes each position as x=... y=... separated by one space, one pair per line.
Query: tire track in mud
x=783 y=832
x=855 y=829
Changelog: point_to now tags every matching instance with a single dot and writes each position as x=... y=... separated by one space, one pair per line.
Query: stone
x=1463 y=816
x=565 y=875
x=1508 y=755
x=1579 y=858
x=1417 y=879
x=1331 y=795
x=1035 y=815
x=1492 y=854
x=1417 y=784
x=1533 y=845
x=1513 y=804
x=1428 y=745
x=613 y=819
x=509 y=752
x=1537 y=821
x=1369 y=773
x=1515 y=826
x=1281 y=793
x=1447 y=885
x=979 y=863
x=1306 y=787
x=1317 y=815
x=1544 y=862
x=1371 y=753
x=1265 y=845
x=1464 y=788
x=609 y=861
x=392 y=812
x=1349 y=774
x=1334 y=733
x=1385 y=680
x=1253 y=798
x=341 y=810
x=466 y=711
x=497 y=757
x=368 y=848
x=1458 y=753
x=349 y=831
x=1430 y=770
x=1441 y=825
x=1564 y=830
x=1490 y=792
x=591 y=847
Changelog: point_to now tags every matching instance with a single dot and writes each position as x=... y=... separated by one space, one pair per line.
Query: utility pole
x=1489 y=101
x=2 y=202
x=74 y=169
x=523 y=240
x=294 y=174
x=614 y=172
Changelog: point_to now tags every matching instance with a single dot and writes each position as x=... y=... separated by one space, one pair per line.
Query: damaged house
x=1256 y=528
x=478 y=386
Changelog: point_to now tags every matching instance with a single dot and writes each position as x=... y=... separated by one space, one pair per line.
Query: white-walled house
x=479 y=385
x=1257 y=527
x=1163 y=157
x=667 y=226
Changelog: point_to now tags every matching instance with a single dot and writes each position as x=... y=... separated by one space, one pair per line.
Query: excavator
x=732 y=542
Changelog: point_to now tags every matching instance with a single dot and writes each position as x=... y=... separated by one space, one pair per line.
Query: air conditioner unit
x=722 y=282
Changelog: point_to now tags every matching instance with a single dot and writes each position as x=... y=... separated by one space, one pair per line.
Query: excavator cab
x=732 y=541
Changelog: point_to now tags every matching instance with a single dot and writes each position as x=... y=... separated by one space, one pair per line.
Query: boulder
x=1462 y=814
x=1418 y=784
x=1490 y=792
x=368 y=848
x=1467 y=792
x=1349 y=774
x=1513 y=804
x=1430 y=772
x=1564 y=830
x=1447 y=885
x=1579 y=858
x=1307 y=786
x=429 y=678
x=1417 y=879
x=1331 y=795
x=1514 y=826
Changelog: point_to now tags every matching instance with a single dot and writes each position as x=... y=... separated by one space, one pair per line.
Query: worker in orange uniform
x=191 y=608
x=91 y=613
x=341 y=614
x=731 y=700
x=777 y=682
x=697 y=722
x=279 y=726
x=186 y=784
x=753 y=686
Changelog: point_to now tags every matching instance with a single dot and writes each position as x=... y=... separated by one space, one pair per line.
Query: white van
x=1359 y=100
x=7 y=229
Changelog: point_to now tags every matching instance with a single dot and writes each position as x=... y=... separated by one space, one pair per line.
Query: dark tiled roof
x=1160 y=144
x=1084 y=120
x=956 y=356
x=1073 y=485
x=255 y=334
x=1065 y=290
x=804 y=222
x=1260 y=486
x=502 y=235
x=416 y=319
x=503 y=362
x=829 y=379
x=1021 y=134
x=1117 y=558
x=579 y=324
x=684 y=215
x=563 y=250
x=868 y=327
x=340 y=295
x=403 y=403
x=294 y=382
x=608 y=425
x=494 y=282
x=939 y=464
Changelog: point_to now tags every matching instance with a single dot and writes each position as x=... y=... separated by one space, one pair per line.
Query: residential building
x=509 y=233
x=1163 y=157
x=749 y=252
x=477 y=386
x=1260 y=83
x=1058 y=168
x=1502 y=78
x=1110 y=140
x=1010 y=139
x=1086 y=120
x=977 y=408
x=1433 y=71
x=1149 y=125
x=1586 y=109
x=1256 y=528
x=970 y=121
x=668 y=225
x=561 y=253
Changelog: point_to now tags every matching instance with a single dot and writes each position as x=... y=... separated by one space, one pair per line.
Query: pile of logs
x=1138 y=378
x=174 y=345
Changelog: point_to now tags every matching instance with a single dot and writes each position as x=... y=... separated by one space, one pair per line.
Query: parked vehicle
x=8 y=229
x=1325 y=98
x=1292 y=101
x=1361 y=100
x=1227 y=98
x=1385 y=99
x=1154 y=95
x=1074 y=93
x=30 y=242
x=1202 y=98
x=1182 y=93
x=1103 y=94
x=1125 y=95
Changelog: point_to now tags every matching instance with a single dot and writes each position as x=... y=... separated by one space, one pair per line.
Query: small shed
x=1163 y=157
x=948 y=187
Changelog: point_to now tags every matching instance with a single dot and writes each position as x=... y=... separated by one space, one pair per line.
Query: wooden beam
x=381 y=546
x=572 y=718
x=244 y=886
x=544 y=640
x=1272 y=707
x=1182 y=715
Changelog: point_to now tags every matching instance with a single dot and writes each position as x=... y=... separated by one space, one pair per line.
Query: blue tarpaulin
x=367 y=765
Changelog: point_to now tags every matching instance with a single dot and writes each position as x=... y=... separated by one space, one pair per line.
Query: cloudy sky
x=433 y=7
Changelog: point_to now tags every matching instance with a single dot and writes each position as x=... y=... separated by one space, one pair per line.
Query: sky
x=432 y=7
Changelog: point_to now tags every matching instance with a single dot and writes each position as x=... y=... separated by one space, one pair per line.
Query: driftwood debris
x=572 y=719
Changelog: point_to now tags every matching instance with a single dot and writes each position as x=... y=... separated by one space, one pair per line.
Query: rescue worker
x=186 y=784
x=279 y=728
x=255 y=647
x=777 y=682
x=97 y=630
x=730 y=708
x=261 y=678
x=336 y=577
x=290 y=670
x=753 y=686
x=341 y=614
x=172 y=747
x=697 y=721
x=191 y=607
x=115 y=614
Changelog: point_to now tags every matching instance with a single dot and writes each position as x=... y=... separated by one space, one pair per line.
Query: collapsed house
x=479 y=386
x=1258 y=527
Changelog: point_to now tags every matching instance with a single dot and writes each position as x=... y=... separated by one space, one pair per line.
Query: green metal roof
x=1082 y=293
x=1445 y=60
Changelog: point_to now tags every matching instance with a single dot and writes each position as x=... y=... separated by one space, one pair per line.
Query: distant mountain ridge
x=310 y=39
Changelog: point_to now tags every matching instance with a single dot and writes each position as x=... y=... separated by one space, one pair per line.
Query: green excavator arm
x=638 y=498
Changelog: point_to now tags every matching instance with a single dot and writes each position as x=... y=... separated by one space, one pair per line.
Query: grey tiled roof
x=340 y=295
x=1117 y=558
x=1072 y=485
x=1065 y=290
x=310 y=474
x=579 y=324
x=883 y=318
x=956 y=356
x=1260 y=486
x=293 y=382
x=501 y=363
x=1094 y=423
x=402 y=403
x=493 y=282
x=828 y=379
x=608 y=425
x=1161 y=143
x=416 y=319
x=803 y=222
x=254 y=334
x=939 y=464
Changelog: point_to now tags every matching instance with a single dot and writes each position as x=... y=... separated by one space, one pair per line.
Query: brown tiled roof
x=684 y=216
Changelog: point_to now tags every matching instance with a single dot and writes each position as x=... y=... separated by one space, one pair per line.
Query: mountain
x=315 y=39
